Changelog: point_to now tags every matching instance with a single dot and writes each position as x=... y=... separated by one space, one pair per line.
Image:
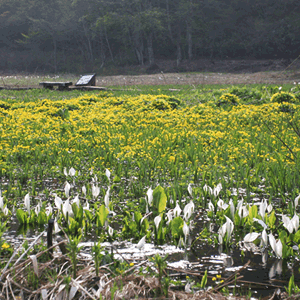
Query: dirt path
x=274 y=77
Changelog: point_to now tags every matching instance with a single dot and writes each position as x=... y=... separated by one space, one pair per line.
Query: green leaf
x=204 y=280
x=159 y=200
x=88 y=215
x=291 y=285
x=22 y=216
x=253 y=212
x=42 y=218
x=102 y=214
x=176 y=227
x=271 y=220
x=297 y=237
x=137 y=217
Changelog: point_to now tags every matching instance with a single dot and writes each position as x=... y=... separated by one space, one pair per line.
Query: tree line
x=70 y=35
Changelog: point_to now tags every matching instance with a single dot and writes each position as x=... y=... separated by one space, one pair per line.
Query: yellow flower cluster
x=145 y=127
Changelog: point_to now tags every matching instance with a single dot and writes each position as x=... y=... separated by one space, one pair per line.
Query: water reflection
x=276 y=268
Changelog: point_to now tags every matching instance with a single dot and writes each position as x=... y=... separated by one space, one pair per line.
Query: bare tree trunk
x=150 y=48
x=179 y=54
x=138 y=46
x=89 y=42
x=169 y=21
x=102 y=52
x=189 y=40
x=54 y=53
x=108 y=45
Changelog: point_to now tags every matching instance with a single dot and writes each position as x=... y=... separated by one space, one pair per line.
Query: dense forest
x=80 y=35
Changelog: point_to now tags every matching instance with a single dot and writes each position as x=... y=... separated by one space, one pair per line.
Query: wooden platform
x=61 y=85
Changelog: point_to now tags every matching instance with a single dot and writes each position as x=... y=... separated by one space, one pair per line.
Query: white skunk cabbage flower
x=67 y=208
x=207 y=188
x=264 y=238
x=177 y=210
x=186 y=231
x=76 y=200
x=58 y=202
x=27 y=203
x=157 y=221
x=1 y=201
x=262 y=208
x=49 y=210
x=110 y=231
x=67 y=189
x=107 y=173
x=83 y=189
x=276 y=247
x=87 y=206
x=211 y=206
x=56 y=227
x=217 y=190
x=95 y=191
x=296 y=201
x=260 y=222
x=221 y=204
x=72 y=172
x=38 y=208
x=243 y=211
x=269 y=208
x=190 y=190
x=106 y=197
x=5 y=210
x=140 y=245
x=188 y=210
x=226 y=228
x=290 y=224
x=150 y=196
x=169 y=216
x=251 y=237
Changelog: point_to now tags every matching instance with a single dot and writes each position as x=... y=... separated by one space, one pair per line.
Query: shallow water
x=271 y=272
x=263 y=275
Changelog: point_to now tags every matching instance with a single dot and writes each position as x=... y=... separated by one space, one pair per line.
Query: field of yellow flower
x=156 y=138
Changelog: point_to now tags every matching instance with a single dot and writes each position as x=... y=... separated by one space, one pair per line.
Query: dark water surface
x=263 y=275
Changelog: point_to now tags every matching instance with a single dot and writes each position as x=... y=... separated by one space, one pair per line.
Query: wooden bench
x=61 y=85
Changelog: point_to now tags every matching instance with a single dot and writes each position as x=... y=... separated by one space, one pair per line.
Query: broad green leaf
x=137 y=217
x=21 y=216
x=102 y=214
x=42 y=218
x=253 y=212
x=159 y=199
x=271 y=220
x=297 y=237
x=176 y=227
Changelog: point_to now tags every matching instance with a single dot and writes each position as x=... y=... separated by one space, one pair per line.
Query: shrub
x=4 y=105
x=160 y=104
x=163 y=102
x=283 y=97
x=228 y=98
x=245 y=93
x=287 y=107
